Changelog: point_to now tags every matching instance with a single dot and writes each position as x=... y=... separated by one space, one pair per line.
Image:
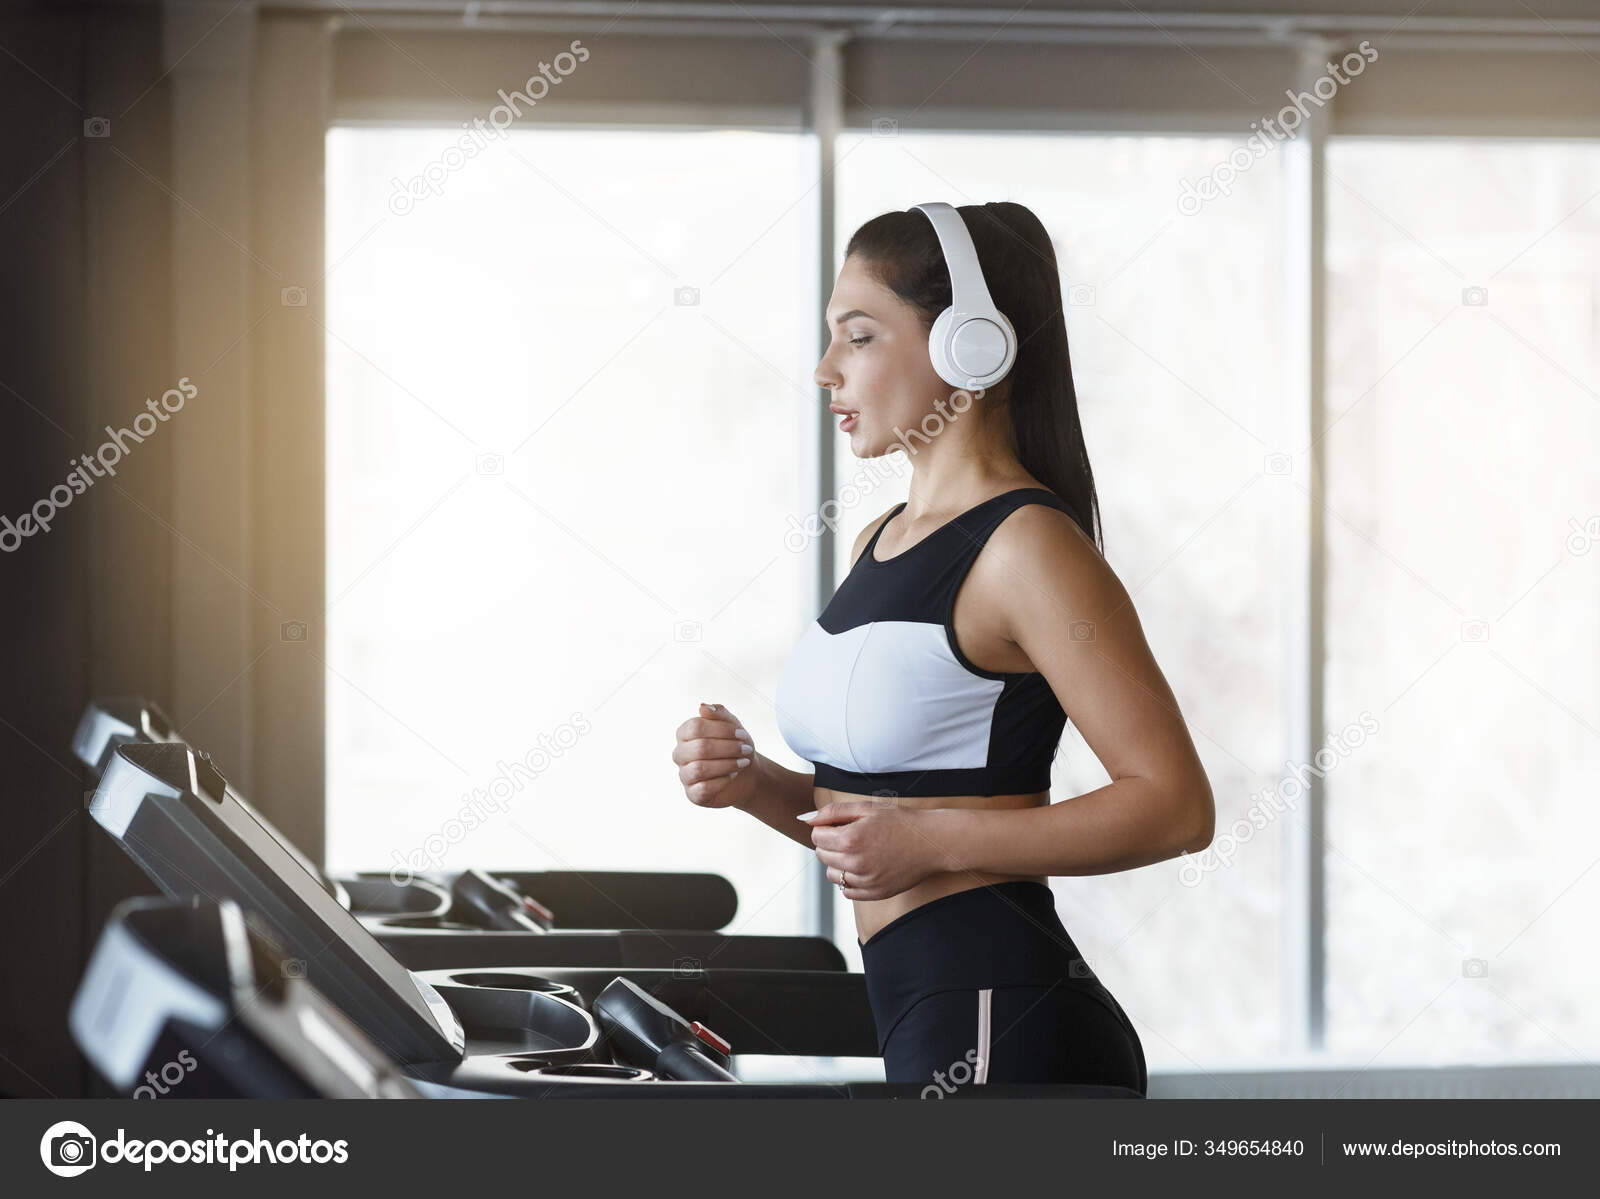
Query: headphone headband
x=968 y=290
x=971 y=344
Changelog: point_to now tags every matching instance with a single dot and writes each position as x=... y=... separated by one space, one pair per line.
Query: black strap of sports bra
x=978 y=522
x=878 y=532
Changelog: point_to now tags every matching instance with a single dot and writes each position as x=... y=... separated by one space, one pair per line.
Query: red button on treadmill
x=539 y=910
x=711 y=1038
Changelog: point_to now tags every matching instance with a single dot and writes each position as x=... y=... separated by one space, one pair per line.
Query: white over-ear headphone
x=972 y=344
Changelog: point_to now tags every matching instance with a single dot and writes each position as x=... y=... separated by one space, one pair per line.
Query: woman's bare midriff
x=873 y=914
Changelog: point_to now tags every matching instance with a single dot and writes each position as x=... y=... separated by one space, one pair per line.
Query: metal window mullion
x=1304 y=962
x=826 y=119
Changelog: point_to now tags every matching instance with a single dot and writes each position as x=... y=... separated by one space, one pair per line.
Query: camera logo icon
x=294 y=968
x=1583 y=536
x=687 y=967
x=96 y=127
x=292 y=297
x=491 y=464
x=1475 y=297
x=686 y=297
x=67 y=1149
x=292 y=630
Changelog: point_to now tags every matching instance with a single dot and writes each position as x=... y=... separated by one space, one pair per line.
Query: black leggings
x=985 y=985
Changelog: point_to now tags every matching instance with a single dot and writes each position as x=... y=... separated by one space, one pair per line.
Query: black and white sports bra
x=878 y=696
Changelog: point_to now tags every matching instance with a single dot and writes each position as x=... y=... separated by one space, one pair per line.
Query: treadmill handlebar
x=498 y=905
x=646 y=1032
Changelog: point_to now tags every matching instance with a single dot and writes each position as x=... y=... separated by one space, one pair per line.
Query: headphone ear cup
x=982 y=349
x=1008 y=354
x=939 y=349
x=989 y=342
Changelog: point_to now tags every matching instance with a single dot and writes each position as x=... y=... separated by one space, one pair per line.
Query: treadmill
x=462 y=1029
x=472 y=917
x=183 y=998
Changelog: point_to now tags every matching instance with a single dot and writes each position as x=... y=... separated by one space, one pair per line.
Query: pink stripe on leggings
x=981 y=1066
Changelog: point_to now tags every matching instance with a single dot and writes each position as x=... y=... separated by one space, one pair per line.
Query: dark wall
x=85 y=336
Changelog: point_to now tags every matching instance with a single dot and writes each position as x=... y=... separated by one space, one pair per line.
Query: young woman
x=931 y=693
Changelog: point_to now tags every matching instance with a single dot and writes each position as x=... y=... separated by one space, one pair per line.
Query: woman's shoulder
x=1040 y=546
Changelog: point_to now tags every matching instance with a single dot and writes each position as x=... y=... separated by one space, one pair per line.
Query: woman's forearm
x=782 y=795
x=1126 y=824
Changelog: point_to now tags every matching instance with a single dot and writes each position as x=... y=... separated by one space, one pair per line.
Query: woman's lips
x=848 y=422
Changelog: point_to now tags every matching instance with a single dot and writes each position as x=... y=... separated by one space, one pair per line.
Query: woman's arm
x=1126 y=824
x=886 y=849
x=1069 y=613
x=780 y=796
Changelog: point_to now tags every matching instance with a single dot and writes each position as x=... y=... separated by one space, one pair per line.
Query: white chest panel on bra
x=878 y=696
x=885 y=696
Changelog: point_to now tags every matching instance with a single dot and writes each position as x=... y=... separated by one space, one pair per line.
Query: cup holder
x=515 y=982
x=586 y=1072
x=379 y=895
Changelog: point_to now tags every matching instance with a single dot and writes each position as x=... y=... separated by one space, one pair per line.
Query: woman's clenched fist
x=716 y=759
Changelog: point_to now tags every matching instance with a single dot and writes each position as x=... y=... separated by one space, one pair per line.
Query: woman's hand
x=883 y=848
x=716 y=759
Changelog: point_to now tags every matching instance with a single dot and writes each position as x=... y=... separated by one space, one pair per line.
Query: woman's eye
x=860 y=341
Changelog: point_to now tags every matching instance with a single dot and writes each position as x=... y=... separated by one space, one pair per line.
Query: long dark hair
x=1019 y=265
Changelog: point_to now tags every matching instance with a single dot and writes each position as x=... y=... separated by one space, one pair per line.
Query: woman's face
x=877 y=364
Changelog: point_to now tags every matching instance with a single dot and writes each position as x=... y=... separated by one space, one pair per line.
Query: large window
x=1464 y=576
x=564 y=421
x=570 y=436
